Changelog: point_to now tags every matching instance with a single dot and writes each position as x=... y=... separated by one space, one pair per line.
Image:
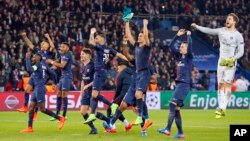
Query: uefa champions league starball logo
x=11 y=102
x=152 y=100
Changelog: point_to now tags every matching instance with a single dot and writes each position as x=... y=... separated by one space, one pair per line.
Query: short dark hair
x=87 y=51
x=100 y=33
x=67 y=44
x=235 y=17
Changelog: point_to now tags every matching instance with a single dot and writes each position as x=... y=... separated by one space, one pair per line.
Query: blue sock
x=122 y=118
x=118 y=113
x=30 y=121
x=102 y=117
x=58 y=105
x=145 y=111
x=143 y=122
x=65 y=106
x=109 y=112
x=91 y=125
x=178 y=121
x=103 y=99
x=26 y=99
x=50 y=113
x=171 y=116
x=93 y=105
x=139 y=104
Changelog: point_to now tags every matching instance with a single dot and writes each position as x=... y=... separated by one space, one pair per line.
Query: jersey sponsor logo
x=11 y=102
x=180 y=64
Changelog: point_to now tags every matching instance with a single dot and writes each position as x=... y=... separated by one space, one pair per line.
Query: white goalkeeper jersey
x=231 y=42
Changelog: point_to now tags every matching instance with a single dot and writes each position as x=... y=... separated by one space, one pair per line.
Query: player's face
x=230 y=21
x=99 y=40
x=44 y=45
x=35 y=59
x=63 y=48
x=183 y=48
x=141 y=38
x=84 y=56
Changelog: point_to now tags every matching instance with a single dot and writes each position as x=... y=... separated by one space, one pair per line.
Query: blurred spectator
x=3 y=80
x=205 y=79
x=241 y=84
x=212 y=82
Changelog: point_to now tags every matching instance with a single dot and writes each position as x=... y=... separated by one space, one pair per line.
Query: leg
x=84 y=112
x=178 y=122
x=28 y=89
x=65 y=102
x=30 y=118
x=58 y=102
x=139 y=104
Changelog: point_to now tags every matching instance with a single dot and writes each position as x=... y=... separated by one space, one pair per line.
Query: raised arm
x=29 y=67
x=128 y=34
x=240 y=49
x=189 y=39
x=121 y=56
x=145 y=32
x=91 y=37
x=205 y=29
x=27 y=40
x=51 y=44
x=125 y=49
x=172 y=43
x=61 y=65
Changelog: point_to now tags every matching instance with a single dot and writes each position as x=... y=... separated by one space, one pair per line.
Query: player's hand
x=223 y=62
x=92 y=30
x=194 y=25
x=188 y=32
x=181 y=32
x=46 y=35
x=23 y=34
x=28 y=55
x=230 y=62
x=145 y=22
x=50 y=61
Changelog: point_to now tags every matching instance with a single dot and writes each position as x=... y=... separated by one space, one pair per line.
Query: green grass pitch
x=199 y=125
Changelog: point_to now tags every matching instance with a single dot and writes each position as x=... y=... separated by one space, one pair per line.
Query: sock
x=171 y=116
x=50 y=113
x=103 y=99
x=91 y=125
x=118 y=113
x=125 y=122
x=122 y=118
x=65 y=106
x=58 y=105
x=226 y=97
x=220 y=98
x=93 y=105
x=143 y=122
x=26 y=99
x=145 y=111
x=30 y=121
x=178 y=121
x=102 y=117
x=36 y=109
x=109 y=112
x=139 y=104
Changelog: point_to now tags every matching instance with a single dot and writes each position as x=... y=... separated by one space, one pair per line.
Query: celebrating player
x=66 y=77
x=231 y=49
x=41 y=72
x=98 y=40
x=184 y=67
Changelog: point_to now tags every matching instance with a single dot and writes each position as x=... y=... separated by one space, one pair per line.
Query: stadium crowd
x=71 y=21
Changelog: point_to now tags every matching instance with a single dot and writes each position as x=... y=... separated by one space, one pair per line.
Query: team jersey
x=231 y=42
x=141 y=56
x=102 y=56
x=45 y=54
x=40 y=72
x=185 y=62
x=87 y=73
x=67 y=69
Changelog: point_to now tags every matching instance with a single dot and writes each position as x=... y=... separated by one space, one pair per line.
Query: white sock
x=126 y=123
x=113 y=126
x=220 y=98
x=227 y=97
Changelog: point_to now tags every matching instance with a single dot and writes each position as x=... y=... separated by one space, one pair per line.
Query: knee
x=84 y=112
x=123 y=106
x=138 y=95
x=94 y=94
x=42 y=109
x=31 y=108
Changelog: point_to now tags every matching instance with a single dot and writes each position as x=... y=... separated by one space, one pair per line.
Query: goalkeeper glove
x=230 y=62
x=223 y=62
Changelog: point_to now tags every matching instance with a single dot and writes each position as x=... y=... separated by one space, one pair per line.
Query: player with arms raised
x=231 y=49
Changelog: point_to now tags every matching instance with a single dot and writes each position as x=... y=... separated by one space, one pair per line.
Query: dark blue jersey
x=141 y=56
x=45 y=54
x=67 y=68
x=102 y=56
x=40 y=72
x=185 y=62
x=87 y=73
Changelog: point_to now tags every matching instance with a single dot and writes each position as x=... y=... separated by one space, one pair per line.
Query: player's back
x=229 y=41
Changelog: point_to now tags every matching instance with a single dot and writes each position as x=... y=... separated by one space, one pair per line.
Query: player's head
x=232 y=20
x=86 y=55
x=183 y=47
x=44 y=45
x=64 y=48
x=122 y=64
x=100 y=38
x=36 y=58
x=141 y=38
